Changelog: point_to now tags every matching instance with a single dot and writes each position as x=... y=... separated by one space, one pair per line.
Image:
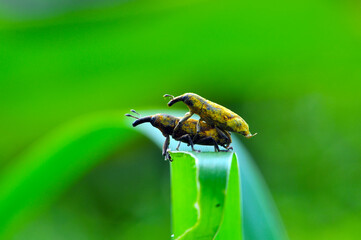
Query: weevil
x=187 y=132
x=212 y=113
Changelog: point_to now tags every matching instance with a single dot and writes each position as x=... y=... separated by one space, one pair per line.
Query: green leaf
x=53 y=164
x=261 y=219
x=205 y=196
x=47 y=169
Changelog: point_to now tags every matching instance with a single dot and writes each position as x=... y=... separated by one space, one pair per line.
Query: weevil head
x=174 y=100
x=188 y=98
x=141 y=120
x=194 y=102
x=164 y=122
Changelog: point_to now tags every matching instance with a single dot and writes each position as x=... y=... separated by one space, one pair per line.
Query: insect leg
x=229 y=148
x=187 y=138
x=178 y=145
x=227 y=136
x=165 y=147
x=185 y=118
x=224 y=134
x=207 y=139
x=198 y=127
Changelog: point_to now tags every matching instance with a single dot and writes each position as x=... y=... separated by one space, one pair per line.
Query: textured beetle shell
x=166 y=123
x=215 y=114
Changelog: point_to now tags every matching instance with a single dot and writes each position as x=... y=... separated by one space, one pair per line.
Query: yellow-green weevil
x=212 y=113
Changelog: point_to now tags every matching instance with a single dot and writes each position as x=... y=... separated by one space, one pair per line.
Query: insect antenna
x=132 y=110
x=129 y=115
x=168 y=95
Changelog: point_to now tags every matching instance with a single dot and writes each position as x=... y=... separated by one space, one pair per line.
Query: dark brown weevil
x=187 y=132
x=212 y=113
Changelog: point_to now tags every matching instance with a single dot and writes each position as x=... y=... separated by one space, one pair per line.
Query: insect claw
x=229 y=149
x=168 y=157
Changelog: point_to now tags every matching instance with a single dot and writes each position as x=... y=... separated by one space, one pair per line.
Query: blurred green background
x=290 y=68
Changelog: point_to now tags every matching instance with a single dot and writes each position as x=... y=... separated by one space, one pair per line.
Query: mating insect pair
x=187 y=132
x=212 y=128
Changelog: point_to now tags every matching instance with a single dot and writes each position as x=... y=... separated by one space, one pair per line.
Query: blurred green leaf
x=205 y=196
x=48 y=168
